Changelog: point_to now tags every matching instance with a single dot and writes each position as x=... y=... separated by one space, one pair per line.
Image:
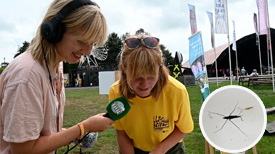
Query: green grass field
x=81 y=104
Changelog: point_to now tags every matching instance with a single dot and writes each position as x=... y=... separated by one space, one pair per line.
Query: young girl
x=160 y=109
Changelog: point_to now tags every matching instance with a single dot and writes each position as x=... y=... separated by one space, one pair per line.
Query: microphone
x=88 y=140
x=117 y=108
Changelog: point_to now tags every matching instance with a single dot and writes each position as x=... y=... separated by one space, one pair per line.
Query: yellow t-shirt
x=149 y=122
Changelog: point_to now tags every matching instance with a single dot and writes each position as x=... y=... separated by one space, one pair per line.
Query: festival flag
x=262 y=15
x=256 y=28
x=221 y=17
x=234 y=47
x=193 y=22
x=210 y=16
x=256 y=24
x=197 y=63
x=258 y=40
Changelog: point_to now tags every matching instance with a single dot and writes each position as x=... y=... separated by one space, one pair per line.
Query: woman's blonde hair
x=86 y=19
x=140 y=62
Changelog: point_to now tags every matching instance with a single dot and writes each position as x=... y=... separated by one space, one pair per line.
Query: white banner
x=210 y=16
x=221 y=17
x=193 y=22
x=234 y=46
x=262 y=15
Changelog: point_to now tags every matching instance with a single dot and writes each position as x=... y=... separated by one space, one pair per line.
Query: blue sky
x=167 y=20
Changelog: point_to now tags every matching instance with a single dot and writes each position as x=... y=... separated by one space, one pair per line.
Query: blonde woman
x=160 y=114
x=32 y=96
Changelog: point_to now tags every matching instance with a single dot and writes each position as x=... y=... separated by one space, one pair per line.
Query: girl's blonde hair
x=141 y=62
x=87 y=19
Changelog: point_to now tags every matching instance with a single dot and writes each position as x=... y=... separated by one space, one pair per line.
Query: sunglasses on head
x=134 y=43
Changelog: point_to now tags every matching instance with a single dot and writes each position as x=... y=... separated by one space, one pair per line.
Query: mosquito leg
x=217 y=114
x=238 y=127
x=240 y=114
x=234 y=108
x=221 y=127
x=241 y=118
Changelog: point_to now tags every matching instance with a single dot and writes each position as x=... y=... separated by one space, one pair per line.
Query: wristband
x=81 y=127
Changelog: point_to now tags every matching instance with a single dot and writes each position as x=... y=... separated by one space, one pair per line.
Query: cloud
x=168 y=20
x=6 y=26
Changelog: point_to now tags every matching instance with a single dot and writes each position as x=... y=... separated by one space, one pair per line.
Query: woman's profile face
x=71 y=48
x=143 y=85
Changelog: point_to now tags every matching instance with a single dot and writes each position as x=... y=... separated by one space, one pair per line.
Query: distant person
x=254 y=73
x=237 y=72
x=243 y=71
x=160 y=114
x=223 y=73
x=80 y=82
x=76 y=82
x=227 y=74
x=32 y=93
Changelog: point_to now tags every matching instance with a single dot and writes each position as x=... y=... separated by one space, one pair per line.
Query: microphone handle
x=107 y=115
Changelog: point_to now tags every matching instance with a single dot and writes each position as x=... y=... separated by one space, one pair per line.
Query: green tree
x=22 y=49
x=69 y=68
x=142 y=31
x=2 y=69
x=125 y=36
x=168 y=59
x=114 y=45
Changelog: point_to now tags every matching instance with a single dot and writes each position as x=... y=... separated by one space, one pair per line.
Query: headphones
x=53 y=30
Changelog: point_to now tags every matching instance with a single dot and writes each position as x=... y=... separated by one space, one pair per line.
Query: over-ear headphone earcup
x=47 y=30
x=52 y=30
x=60 y=29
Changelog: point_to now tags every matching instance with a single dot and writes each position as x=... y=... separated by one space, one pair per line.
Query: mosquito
x=230 y=117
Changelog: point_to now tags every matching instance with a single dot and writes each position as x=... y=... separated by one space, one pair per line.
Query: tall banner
x=210 y=16
x=234 y=46
x=193 y=21
x=258 y=40
x=256 y=28
x=221 y=17
x=256 y=24
x=262 y=15
x=197 y=63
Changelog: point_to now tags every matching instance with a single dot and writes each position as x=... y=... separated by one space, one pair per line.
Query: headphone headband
x=53 y=29
x=73 y=5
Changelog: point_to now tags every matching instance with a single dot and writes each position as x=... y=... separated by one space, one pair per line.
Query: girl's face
x=71 y=48
x=143 y=85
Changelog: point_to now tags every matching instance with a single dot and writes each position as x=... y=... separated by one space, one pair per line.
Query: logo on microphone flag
x=117 y=107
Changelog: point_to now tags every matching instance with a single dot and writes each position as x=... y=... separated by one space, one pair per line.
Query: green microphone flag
x=117 y=108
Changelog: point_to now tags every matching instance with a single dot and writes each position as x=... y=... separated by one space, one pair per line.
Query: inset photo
x=233 y=119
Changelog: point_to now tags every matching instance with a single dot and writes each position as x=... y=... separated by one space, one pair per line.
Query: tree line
x=114 y=46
